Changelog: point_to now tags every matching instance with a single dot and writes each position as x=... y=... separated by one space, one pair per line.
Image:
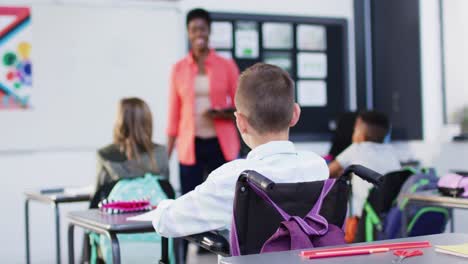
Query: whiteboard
x=84 y=60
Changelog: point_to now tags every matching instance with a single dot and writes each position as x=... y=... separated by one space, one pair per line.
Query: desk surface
x=429 y=257
x=57 y=197
x=109 y=222
x=435 y=198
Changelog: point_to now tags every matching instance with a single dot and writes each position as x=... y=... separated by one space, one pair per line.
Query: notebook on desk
x=460 y=250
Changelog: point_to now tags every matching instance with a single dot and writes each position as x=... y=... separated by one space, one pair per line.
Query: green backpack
x=134 y=248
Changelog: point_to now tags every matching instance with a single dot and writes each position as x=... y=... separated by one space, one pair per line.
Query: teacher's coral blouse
x=222 y=74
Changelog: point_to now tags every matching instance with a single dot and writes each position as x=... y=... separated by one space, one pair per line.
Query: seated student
x=343 y=135
x=133 y=153
x=368 y=150
x=265 y=112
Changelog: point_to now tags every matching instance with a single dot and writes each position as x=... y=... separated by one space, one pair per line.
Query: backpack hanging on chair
x=135 y=248
x=423 y=220
x=296 y=232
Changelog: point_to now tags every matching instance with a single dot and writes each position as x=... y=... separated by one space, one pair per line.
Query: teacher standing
x=200 y=82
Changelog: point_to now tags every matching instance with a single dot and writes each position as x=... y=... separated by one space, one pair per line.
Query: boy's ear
x=241 y=122
x=296 y=115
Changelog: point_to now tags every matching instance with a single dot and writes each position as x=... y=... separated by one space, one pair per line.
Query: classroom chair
x=422 y=220
x=381 y=216
x=135 y=248
x=378 y=203
x=256 y=220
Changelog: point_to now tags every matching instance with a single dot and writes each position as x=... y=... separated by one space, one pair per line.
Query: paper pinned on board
x=312 y=65
x=280 y=59
x=277 y=35
x=312 y=93
x=311 y=37
x=247 y=38
x=221 y=35
x=224 y=54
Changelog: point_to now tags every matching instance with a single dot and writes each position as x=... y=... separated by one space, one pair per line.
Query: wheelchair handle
x=366 y=174
x=258 y=179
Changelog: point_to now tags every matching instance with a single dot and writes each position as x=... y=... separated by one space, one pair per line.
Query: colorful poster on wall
x=15 y=55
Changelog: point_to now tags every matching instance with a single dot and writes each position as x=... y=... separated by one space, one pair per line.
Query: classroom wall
x=76 y=167
x=456 y=54
x=37 y=168
x=137 y=29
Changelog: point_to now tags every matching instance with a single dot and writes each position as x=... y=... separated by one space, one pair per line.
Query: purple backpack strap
x=235 y=250
x=313 y=215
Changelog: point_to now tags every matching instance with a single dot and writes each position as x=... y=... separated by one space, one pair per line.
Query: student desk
x=429 y=257
x=53 y=198
x=109 y=225
x=433 y=198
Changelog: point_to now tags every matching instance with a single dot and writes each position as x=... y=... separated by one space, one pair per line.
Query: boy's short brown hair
x=265 y=95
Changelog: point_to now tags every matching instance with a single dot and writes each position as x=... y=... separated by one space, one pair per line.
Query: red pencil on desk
x=391 y=246
x=347 y=253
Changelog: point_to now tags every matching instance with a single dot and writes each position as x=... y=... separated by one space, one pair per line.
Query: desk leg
x=452 y=221
x=26 y=229
x=57 y=233
x=71 y=248
x=115 y=248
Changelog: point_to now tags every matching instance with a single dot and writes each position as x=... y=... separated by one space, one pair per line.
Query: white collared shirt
x=375 y=156
x=209 y=206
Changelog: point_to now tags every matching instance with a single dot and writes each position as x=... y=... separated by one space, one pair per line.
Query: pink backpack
x=453 y=185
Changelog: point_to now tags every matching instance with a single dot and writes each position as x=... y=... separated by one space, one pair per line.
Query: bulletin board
x=313 y=51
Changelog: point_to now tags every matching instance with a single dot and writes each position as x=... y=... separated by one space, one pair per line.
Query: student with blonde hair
x=133 y=153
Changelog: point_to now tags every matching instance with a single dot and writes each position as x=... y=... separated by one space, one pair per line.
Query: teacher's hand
x=170 y=145
x=220 y=114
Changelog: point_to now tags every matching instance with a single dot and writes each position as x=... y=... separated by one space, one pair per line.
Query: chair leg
x=452 y=221
x=164 y=251
x=57 y=234
x=71 y=250
x=115 y=248
x=26 y=230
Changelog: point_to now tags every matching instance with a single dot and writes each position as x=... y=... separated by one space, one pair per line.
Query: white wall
x=32 y=170
x=76 y=166
x=85 y=59
x=124 y=35
x=456 y=54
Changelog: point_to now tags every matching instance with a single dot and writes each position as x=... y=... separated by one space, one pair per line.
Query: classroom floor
x=194 y=258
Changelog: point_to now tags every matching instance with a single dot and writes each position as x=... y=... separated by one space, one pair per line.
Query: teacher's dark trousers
x=209 y=157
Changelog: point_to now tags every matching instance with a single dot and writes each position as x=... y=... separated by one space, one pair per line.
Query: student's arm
x=342 y=161
x=335 y=169
x=174 y=113
x=204 y=209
